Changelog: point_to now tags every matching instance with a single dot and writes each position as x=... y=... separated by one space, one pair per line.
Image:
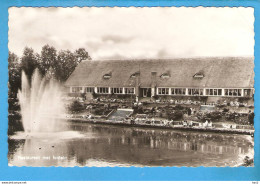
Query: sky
x=125 y=33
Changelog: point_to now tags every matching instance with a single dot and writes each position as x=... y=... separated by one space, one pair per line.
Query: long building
x=214 y=77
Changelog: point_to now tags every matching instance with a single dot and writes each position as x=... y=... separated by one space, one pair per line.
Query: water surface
x=82 y=144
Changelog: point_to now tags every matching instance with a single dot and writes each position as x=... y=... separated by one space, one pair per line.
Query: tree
x=81 y=54
x=29 y=62
x=48 y=59
x=60 y=66
x=14 y=73
x=67 y=62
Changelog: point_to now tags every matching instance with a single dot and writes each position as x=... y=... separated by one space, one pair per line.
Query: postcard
x=131 y=86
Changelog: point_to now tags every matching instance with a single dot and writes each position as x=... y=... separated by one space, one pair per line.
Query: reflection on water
x=106 y=145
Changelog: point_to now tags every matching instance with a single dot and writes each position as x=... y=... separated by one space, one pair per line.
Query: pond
x=83 y=144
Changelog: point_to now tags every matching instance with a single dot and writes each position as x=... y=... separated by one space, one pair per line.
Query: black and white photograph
x=129 y=86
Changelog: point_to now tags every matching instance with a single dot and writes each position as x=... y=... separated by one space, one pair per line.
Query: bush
x=251 y=118
x=225 y=110
x=99 y=111
x=138 y=110
x=94 y=94
x=243 y=99
x=177 y=115
x=179 y=107
x=13 y=104
x=214 y=115
x=76 y=107
x=155 y=97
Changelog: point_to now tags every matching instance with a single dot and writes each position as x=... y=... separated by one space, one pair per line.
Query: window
x=117 y=90
x=178 y=91
x=220 y=92
x=76 y=89
x=89 y=89
x=129 y=90
x=247 y=92
x=163 y=91
x=233 y=92
x=195 y=92
x=102 y=90
x=226 y=92
x=213 y=92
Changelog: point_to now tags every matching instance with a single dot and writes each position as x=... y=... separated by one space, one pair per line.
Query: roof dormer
x=107 y=76
x=199 y=75
x=134 y=75
x=165 y=75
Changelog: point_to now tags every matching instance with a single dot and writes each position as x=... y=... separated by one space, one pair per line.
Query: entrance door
x=146 y=92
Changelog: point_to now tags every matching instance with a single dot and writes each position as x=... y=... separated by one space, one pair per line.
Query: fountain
x=40 y=103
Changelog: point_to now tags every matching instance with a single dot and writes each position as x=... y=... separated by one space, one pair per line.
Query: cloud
x=135 y=32
x=116 y=39
x=114 y=56
x=162 y=53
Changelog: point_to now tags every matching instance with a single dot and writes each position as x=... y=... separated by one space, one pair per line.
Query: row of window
x=233 y=92
x=103 y=90
x=199 y=92
x=76 y=89
x=214 y=92
x=179 y=91
x=195 y=92
x=166 y=91
x=80 y=89
x=117 y=90
x=174 y=91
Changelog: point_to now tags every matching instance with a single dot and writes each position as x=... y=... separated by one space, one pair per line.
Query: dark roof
x=226 y=72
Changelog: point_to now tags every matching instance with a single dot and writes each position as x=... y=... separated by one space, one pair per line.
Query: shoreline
x=198 y=129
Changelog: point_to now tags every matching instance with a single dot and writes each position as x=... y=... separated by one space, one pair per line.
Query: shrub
x=251 y=118
x=225 y=110
x=94 y=94
x=76 y=107
x=99 y=111
x=214 y=115
x=155 y=97
x=243 y=99
x=179 y=107
x=140 y=110
x=177 y=115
